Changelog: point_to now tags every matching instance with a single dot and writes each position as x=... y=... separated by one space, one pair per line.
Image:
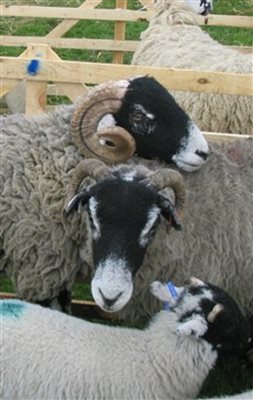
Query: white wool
x=48 y=355
x=173 y=40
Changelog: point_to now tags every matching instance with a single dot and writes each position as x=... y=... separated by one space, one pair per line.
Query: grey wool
x=216 y=240
x=41 y=249
x=36 y=166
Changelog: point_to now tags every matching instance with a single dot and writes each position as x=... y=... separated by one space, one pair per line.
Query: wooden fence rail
x=125 y=15
x=71 y=77
x=95 y=73
x=85 y=43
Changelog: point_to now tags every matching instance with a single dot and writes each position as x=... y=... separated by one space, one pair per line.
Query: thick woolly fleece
x=41 y=253
x=215 y=243
x=42 y=250
x=49 y=355
x=173 y=40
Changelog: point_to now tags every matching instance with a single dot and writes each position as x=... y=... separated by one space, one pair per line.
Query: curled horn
x=95 y=169
x=169 y=178
x=217 y=309
x=111 y=144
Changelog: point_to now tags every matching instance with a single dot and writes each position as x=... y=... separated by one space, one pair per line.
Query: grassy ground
x=226 y=379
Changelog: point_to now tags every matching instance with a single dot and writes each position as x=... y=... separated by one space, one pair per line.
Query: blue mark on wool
x=11 y=308
x=33 y=67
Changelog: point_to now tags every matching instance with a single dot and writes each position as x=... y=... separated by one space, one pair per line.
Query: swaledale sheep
x=40 y=249
x=174 y=40
x=145 y=110
x=49 y=355
x=216 y=239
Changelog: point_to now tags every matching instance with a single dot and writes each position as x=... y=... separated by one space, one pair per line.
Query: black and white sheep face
x=202 y=7
x=204 y=310
x=161 y=129
x=124 y=214
x=122 y=229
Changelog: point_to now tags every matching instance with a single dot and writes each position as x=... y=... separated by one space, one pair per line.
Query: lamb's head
x=202 y=7
x=206 y=311
x=124 y=208
x=138 y=115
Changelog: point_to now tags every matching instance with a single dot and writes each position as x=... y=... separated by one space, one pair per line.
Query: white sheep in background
x=174 y=40
x=49 y=355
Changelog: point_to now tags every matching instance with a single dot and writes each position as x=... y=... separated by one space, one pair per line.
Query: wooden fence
x=71 y=78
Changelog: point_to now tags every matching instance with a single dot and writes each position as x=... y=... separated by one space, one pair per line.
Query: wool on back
x=49 y=355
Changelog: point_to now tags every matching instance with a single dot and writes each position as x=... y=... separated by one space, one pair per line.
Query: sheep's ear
x=169 y=212
x=215 y=312
x=197 y=326
x=80 y=198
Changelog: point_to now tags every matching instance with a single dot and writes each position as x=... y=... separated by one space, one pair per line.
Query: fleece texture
x=37 y=159
x=41 y=249
x=173 y=40
x=48 y=355
x=215 y=243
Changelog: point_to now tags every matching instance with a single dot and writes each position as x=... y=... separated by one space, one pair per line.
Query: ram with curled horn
x=122 y=117
x=41 y=250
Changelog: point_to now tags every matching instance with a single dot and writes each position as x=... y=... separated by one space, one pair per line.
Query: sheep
x=43 y=250
x=50 y=355
x=216 y=240
x=143 y=108
x=173 y=40
x=42 y=156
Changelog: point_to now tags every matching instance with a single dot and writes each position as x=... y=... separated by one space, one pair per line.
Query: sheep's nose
x=109 y=301
x=202 y=154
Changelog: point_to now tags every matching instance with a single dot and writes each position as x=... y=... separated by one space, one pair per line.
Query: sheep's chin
x=188 y=167
x=193 y=150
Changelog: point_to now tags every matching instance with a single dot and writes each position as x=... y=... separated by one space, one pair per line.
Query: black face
x=153 y=118
x=230 y=331
x=118 y=220
x=207 y=6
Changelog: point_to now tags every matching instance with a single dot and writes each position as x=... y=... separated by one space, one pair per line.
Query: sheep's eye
x=137 y=116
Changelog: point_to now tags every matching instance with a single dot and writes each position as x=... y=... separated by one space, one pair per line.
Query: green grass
x=81 y=291
x=227 y=379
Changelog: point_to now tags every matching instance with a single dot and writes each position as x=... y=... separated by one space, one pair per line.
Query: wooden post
x=36 y=92
x=119 y=33
x=71 y=90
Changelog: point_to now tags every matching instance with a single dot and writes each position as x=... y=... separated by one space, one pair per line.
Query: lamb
x=216 y=240
x=173 y=40
x=169 y=359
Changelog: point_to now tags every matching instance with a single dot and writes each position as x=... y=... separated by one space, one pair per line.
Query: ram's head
x=136 y=116
x=125 y=206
